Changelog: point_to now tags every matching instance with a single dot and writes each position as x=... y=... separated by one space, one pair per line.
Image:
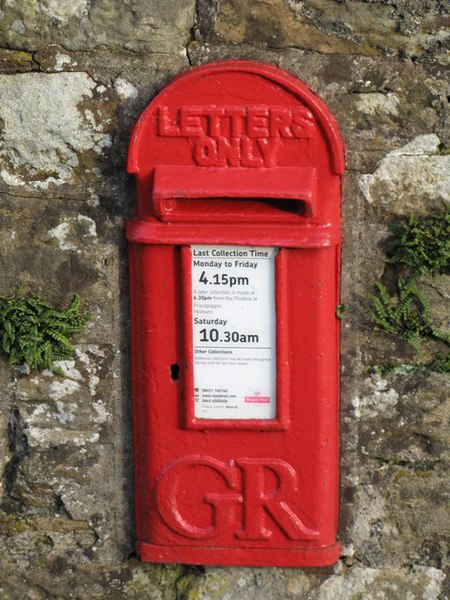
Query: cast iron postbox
x=234 y=256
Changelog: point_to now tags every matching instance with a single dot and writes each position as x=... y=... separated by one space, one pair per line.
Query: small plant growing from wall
x=418 y=247
x=34 y=333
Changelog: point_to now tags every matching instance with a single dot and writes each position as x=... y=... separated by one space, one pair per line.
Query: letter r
x=258 y=501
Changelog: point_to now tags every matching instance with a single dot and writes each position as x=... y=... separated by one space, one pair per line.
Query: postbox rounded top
x=236 y=114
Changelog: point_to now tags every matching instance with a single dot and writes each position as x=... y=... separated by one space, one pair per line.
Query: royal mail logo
x=247 y=136
x=257 y=399
x=244 y=484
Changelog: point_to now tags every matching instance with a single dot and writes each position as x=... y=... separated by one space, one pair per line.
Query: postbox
x=234 y=261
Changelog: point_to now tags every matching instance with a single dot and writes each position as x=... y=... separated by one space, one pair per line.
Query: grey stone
x=45 y=129
x=326 y=26
x=373 y=584
x=412 y=178
x=135 y=25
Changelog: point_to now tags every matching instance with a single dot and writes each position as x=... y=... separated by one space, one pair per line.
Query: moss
x=184 y=587
x=12 y=524
x=141 y=578
x=424 y=474
x=444 y=150
x=400 y=369
x=22 y=58
x=59 y=524
x=341 y=311
x=441 y=363
x=46 y=174
x=410 y=474
x=194 y=585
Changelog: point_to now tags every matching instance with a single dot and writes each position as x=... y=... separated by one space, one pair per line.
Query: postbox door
x=239 y=483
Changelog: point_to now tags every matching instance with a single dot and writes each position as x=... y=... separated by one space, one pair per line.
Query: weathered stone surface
x=415 y=178
x=75 y=76
x=136 y=25
x=60 y=442
x=401 y=443
x=346 y=584
x=45 y=130
x=411 y=29
x=372 y=584
x=15 y=61
x=5 y=438
x=54 y=576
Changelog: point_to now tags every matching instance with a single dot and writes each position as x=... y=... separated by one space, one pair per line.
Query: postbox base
x=249 y=557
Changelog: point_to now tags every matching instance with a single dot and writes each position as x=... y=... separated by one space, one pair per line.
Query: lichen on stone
x=45 y=128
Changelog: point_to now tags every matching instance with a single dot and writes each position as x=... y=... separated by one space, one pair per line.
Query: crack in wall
x=18 y=446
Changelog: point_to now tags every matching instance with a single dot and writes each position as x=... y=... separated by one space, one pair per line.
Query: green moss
x=142 y=580
x=400 y=369
x=341 y=310
x=46 y=173
x=443 y=149
x=441 y=363
x=22 y=58
x=12 y=524
x=195 y=585
x=411 y=474
x=184 y=587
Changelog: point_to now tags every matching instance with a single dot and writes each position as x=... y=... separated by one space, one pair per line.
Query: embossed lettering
x=190 y=122
x=280 y=121
x=205 y=152
x=259 y=152
x=234 y=121
x=302 y=123
x=248 y=136
x=259 y=502
x=228 y=152
x=257 y=122
x=268 y=490
x=236 y=114
x=167 y=497
x=269 y=148
x=214 y=113
x=165 y=128
x=248 y=159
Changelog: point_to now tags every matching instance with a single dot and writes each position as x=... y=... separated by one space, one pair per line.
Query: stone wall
x=75 y=75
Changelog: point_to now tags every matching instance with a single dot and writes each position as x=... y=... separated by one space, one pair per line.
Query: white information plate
x=233 y=300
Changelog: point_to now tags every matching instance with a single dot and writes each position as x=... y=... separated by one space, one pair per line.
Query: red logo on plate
x=257 y=399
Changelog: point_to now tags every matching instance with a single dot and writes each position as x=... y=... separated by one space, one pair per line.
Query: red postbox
x=234 y=257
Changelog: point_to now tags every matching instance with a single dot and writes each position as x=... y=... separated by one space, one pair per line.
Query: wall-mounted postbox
x=235 y=252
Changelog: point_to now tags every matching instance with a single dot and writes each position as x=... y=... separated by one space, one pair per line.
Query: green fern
x=404 y=315
x=33 y=332
x=441 y=363
x=422 y=245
